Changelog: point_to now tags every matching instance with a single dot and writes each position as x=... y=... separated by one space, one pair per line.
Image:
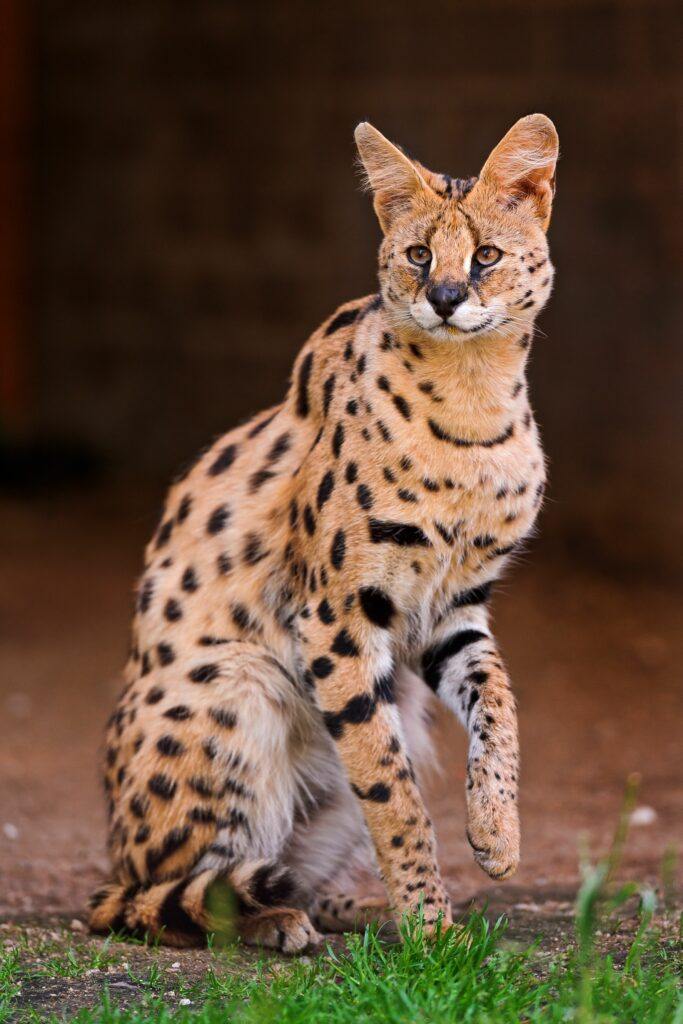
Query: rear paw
x=348 y=913
x=289 y=931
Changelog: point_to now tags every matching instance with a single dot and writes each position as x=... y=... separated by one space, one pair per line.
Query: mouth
x=451 y=328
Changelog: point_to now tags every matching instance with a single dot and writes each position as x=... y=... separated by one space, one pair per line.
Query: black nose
x=445 y=297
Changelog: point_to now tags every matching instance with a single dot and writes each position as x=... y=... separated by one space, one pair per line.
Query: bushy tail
x=182 y=912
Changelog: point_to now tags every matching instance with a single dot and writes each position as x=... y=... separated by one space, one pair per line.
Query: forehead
x=463 y=222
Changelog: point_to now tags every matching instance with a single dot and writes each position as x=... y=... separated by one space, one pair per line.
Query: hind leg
x=207 y=797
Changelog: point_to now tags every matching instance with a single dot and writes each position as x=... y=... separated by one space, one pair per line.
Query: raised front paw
x=493 y=832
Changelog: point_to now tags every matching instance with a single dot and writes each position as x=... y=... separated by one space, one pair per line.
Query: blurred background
x=180 y=209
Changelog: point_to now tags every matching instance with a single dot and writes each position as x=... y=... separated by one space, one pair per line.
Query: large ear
x=523 y=164
x=394 y=180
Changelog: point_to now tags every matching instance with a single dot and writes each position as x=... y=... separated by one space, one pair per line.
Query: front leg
x=464 y=668
x=352 y=669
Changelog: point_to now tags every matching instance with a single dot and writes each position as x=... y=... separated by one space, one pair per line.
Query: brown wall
x=196 y=214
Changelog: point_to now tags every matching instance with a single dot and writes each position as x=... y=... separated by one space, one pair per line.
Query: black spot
x=224 y=460
x=145 y=595
x=403 y=534
x=484 y=540
x=184 y=508
x=164 y=533
x=142 y=834
x=338 y=549
x=389 y=475
x=435 y=658
x=204 y=673
x=403 y=406
x=169 y=746
x=162 y=786
x=397 y=841
x=218 y=519
x=328 y=391
x=325 y=612
x=253 y=549
x=302 y=403
x=139 y=805
x=379 y=793
x=224 y=563
x=325 y=488
x=358 y=709
x=385 y=690
x=262 y=424
x=322 y=667
x=309 y=520
x=352 y=407
x=202 y=815
x=377 y=606
x=165 y=653
x=337 y=440
x=146 y=666
x=384 y=431
x=189 y=582
x=405 y=495
x=259 y=478
x=351 y=472
x=406 y=463
x=172 y=610
x=154 y=695
x=430 y=485
x=198 y=783
x=271 y=886
x=223 y=717
x=360 y=363
x=172 y=841
x=387 y=342
x=364 y=496
x=416 y=350
x=179 y=713
x=343 y=319
x=344 y=645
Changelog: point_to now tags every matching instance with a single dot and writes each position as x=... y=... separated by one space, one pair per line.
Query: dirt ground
x=595 y=664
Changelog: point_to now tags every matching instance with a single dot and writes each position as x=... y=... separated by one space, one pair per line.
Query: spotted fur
x=320 y=569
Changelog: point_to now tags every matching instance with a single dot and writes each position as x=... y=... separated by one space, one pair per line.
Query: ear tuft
x=523 y=164
x=388 y=173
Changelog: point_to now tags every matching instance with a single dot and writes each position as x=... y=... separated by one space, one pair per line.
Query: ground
x=594 y=661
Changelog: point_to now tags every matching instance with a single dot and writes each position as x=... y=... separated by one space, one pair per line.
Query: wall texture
x=196 y=214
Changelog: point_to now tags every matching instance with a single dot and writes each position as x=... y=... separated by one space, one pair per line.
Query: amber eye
x=420 y=255
x=487 y=255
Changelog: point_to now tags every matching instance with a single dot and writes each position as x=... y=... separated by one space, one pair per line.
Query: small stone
x=643 y=815
x=10 y=831
x=76 y=925
x=184 y=1002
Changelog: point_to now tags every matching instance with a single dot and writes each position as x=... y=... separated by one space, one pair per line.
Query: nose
x=445 y=297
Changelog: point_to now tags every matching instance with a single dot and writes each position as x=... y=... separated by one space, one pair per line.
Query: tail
x=182 y=912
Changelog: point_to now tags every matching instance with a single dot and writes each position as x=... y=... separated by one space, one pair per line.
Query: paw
x=493 y=834
x=348 y=913
x=289 y=931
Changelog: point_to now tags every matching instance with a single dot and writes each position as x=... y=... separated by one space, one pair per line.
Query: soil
x=595 y=663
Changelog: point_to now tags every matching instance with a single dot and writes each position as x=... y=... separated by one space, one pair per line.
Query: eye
x=487 y=255
x=420 y=255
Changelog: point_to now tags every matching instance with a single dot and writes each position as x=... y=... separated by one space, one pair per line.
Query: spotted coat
x=322 y=568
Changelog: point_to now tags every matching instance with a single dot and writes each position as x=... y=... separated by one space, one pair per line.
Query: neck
x=471 y=388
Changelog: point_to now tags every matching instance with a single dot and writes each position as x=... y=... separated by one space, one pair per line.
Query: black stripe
x=477 y=595
x=383 y=531
x=343 y=319
x=461 y=442
x=434 y=657
x=302 y=404
x=174 y=918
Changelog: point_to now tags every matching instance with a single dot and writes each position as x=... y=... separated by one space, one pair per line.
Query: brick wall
x=196 y=214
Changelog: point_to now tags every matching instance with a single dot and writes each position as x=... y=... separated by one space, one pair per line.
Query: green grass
x=461 y=977
x=468 y=975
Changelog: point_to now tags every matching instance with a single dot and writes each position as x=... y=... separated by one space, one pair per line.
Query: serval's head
x=465 y=257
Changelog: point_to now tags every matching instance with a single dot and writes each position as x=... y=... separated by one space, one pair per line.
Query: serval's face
x=465 y=258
